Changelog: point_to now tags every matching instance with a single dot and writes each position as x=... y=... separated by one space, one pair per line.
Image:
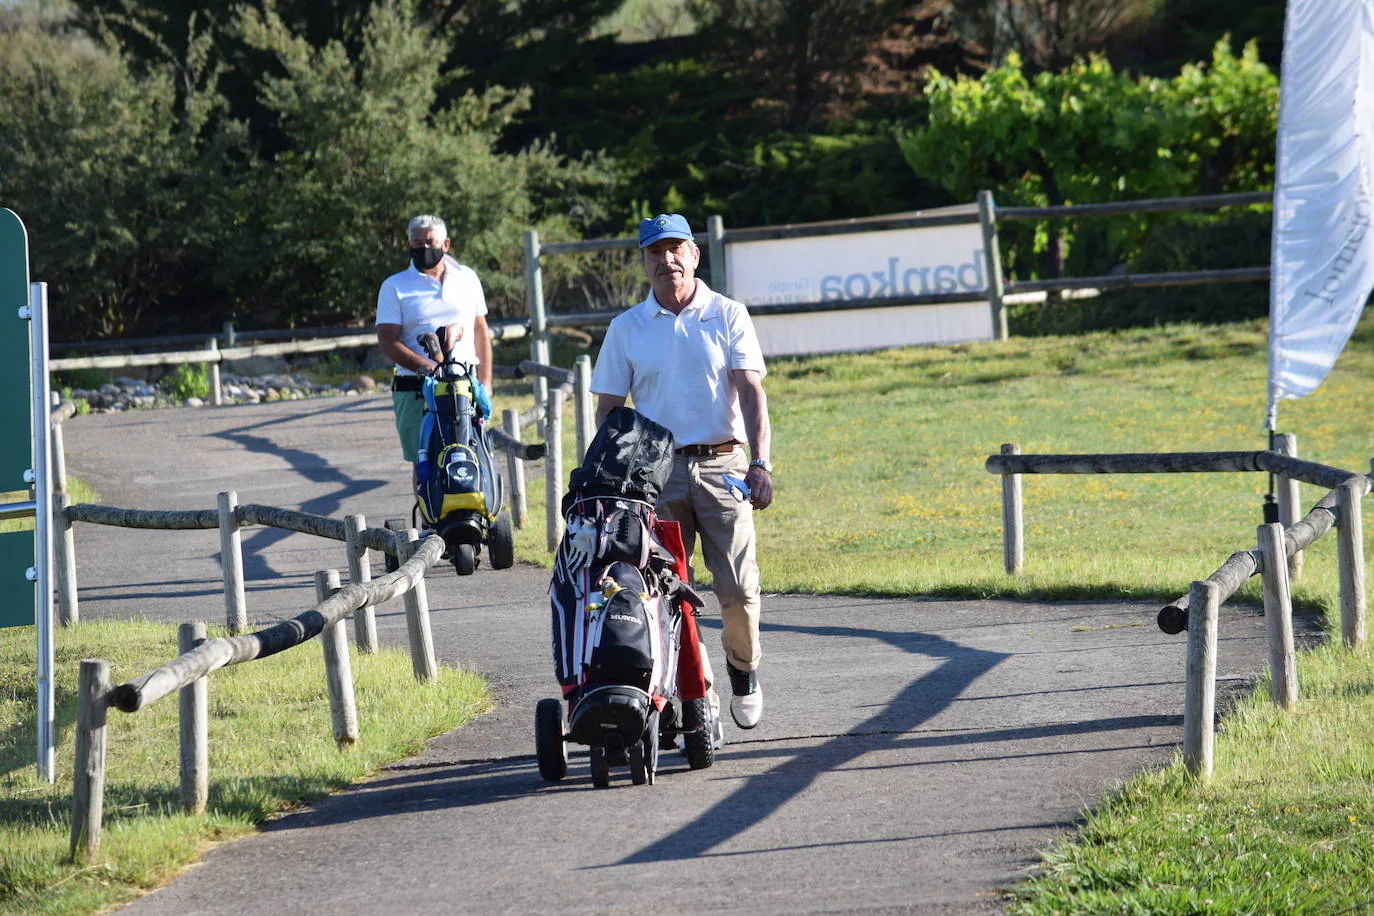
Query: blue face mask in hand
x=736 y=488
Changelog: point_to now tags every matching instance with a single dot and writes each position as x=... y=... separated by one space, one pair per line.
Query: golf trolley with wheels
x=458 y=491
x=626 y=649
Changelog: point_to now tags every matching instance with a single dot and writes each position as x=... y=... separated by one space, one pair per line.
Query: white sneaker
x=748 y=709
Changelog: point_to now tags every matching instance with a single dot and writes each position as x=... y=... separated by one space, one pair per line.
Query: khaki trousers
x=697 y=499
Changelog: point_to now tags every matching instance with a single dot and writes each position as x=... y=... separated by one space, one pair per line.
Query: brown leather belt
x=706 y=451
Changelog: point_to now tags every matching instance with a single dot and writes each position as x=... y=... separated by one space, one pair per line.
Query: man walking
x=433 y=295
x=690 y=359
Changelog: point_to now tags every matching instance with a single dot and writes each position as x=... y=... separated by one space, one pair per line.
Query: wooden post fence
x=1278 y=615
x=88 y=789
x=585 y=416
x=417 y=613
x=216 y=389
x=539 y=324
x=515 y=469
x=1290 y=508
x=1350 y=560
x=231 y=558
x=194 y=706
x=992 y=263
x=64 y=559
x=338 y=670
x=1013 y=542
x=1199 y=697
x=360 y=571
x=553 y=467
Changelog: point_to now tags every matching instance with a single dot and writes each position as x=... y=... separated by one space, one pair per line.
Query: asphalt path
x=914 y=755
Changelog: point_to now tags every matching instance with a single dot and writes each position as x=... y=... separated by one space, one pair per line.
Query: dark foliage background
x=180 y=164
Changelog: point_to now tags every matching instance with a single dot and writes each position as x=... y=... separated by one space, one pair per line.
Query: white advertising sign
x=860 y=266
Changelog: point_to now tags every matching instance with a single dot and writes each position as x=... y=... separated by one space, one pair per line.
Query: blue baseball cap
x=663 y=226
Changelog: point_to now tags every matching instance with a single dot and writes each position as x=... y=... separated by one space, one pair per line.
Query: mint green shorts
x=409 y=410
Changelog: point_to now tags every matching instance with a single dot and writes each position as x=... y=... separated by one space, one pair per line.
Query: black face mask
x=426 y=258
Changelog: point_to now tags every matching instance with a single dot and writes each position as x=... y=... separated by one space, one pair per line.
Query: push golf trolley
x=458 y=492
x=625 y=645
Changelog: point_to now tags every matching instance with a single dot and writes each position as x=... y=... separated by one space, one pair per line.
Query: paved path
x=914 y=756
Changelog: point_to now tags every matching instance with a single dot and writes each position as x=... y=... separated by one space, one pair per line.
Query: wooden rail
x=1275 y=558
x=199 y=657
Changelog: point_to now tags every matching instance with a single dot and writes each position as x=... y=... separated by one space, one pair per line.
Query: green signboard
x=16 y=421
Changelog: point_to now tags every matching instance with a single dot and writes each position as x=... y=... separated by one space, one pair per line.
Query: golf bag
x=625 y=640
x=457 y=488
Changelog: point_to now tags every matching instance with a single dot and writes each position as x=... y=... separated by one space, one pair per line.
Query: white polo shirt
x=676 y=368
x=419 y=303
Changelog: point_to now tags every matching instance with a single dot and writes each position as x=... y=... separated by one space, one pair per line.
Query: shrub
x=189 y=380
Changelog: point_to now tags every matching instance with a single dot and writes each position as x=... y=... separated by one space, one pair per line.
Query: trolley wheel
x=696 y=722
x=639 y=767
x=501 y=543
x=601 y=770
x=549 y=745
x=464 y=559
x=650 y=745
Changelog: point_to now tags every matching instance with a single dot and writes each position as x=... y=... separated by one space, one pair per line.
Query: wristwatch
x=762 y=463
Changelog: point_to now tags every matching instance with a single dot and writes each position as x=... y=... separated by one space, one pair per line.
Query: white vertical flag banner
x=1323 y=251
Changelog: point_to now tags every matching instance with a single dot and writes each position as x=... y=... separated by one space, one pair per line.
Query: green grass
x=881 y=490
x=881 y=487
x=1285 y=826
x=271 y=749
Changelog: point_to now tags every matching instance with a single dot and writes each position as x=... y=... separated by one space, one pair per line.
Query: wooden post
x=216 y=390
x=539 y=324
x=59 y=459
x=1290 y=509
x=715 y=233
x=1013 y=544
x=1350 y=561
x=515 y=469
x=88 y=787
x=1278 y=615
x=1200 y=690
x=231 y=558
x=360 y=572
x=585 y=416
x=64 y=558
x=417 y=614
x=992 y=263
x=338 y=669
x=553 y=468
x=195 y=728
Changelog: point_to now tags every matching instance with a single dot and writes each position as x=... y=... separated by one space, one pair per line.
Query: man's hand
x=760 y=487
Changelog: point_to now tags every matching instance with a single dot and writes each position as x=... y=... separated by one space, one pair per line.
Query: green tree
x=367 y=148
x=1090 y=133
x=116 y=173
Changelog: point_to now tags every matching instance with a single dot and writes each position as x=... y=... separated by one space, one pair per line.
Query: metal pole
x=539 y=324
x=39 y=476
x=992 y=262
